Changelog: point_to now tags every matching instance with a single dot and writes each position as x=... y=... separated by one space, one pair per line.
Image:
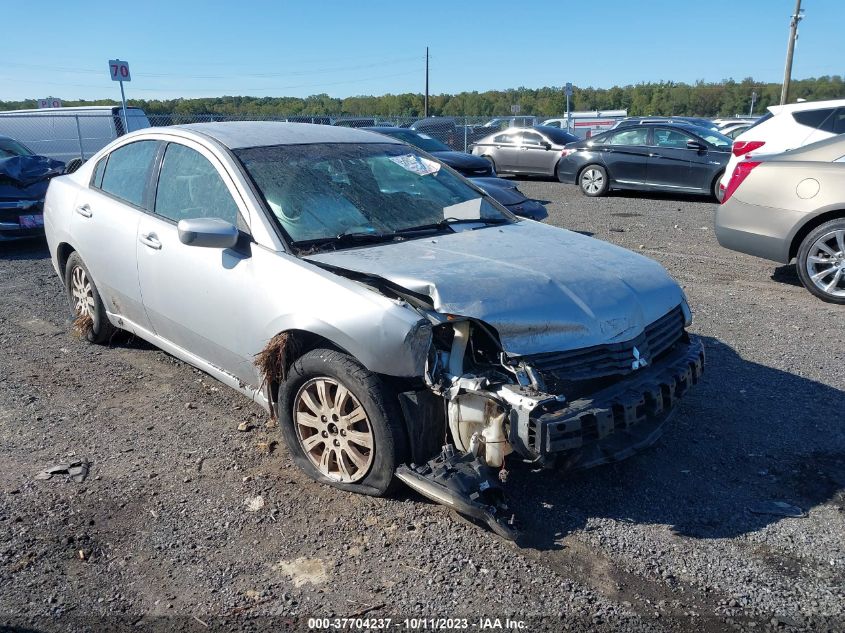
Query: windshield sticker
x=417 y=164
x=467 y=210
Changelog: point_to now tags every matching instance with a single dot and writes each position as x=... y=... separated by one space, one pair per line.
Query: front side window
x=532 y=138
x=10 y=147
x=128 y=170
x=635 y=136
x=326 y=191
x=190 y=187
x=671 y=138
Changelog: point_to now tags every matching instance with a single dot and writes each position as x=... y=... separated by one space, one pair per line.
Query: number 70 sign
x=119 y=71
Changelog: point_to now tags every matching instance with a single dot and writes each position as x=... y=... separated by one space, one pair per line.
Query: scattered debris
x=77 y=471
x=272 y=363
x=366 y=610
x=272 y=423
x=200 y=621
x=244 y=427
x=777 y=508
x=254 y=504
x=267 y=447
x=83 y=325
x=305 y=570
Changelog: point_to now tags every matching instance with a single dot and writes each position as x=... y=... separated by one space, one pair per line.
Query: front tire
x=821 y=261
x=341 y=422
x=593 y=181
x=84 y=299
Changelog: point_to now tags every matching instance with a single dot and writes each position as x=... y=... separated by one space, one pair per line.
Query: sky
x=360 y=47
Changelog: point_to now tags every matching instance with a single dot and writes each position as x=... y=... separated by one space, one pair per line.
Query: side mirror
x=547 y=145
x=696 y=146
x=208 y=232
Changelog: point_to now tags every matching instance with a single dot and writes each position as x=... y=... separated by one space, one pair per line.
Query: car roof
x=806 y=105
x=241 y=134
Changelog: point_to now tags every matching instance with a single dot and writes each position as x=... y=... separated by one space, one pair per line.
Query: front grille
x=603 y=364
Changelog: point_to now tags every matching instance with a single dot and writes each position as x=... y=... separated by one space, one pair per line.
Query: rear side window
x=190 y=187
x=128 y=170
x=99 y=170
x=636 y=136
x=823 y=119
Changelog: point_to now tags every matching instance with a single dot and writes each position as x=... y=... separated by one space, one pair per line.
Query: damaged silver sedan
x=398 y=321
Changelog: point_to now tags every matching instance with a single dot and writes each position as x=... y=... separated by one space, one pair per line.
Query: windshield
x=714 y=138
x=417 y=139
x=10 y=147
x=328 y=191
x=560 y=137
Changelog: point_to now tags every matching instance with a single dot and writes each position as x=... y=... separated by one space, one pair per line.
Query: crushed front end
x=572 y=409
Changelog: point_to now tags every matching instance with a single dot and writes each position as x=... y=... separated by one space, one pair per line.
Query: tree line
x=725 y=98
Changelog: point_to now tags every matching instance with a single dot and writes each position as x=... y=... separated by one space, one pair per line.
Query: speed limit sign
x=119 y=71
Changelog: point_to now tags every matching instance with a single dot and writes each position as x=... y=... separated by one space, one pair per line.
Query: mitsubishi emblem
x=639 y=361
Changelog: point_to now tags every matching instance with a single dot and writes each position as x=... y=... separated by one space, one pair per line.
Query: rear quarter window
x=823 y=119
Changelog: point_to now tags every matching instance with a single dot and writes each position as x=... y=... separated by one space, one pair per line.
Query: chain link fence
x=70 y=134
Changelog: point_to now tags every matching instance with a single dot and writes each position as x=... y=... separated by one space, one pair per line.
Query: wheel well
x=275 y=360
x=62 y=255
x=716 y=179
x=809 y=226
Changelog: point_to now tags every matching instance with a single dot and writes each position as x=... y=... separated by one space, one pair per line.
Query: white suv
x=786 y=127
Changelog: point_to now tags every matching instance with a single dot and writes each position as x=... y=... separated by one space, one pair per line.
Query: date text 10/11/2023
x=417 y=624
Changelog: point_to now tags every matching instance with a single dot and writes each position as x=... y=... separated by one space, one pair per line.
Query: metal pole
x=79 y=137
x=568 y=114
x=123 y=100
x=426 y=81
x=465 y=132
x=753 y=99
x=790 y=49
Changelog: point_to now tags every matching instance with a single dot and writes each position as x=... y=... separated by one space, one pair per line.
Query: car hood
x=462 y=160
x=542 y=288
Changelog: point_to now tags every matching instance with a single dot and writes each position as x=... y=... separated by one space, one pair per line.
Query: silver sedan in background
x=529 y=151
x=791 y=206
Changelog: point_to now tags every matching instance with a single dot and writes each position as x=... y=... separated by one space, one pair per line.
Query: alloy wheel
x=592 y=181
x=82 y=292
x=333 y=430
x=826 y=263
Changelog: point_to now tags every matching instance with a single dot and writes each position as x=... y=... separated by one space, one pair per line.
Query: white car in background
x=786 y=127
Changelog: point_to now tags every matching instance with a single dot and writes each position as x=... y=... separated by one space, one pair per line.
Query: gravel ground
x=161 y=534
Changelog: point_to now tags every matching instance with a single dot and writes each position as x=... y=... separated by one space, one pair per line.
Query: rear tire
x=593 y=181
x=318 y=424
x=84 y=299
x=716 y=188
x=822 y=255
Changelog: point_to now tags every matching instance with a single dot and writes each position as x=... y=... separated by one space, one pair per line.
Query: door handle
x=150 y=240
x=84 y=210
x=654 y=155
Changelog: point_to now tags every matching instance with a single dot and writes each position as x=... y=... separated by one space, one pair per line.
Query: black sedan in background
x=23 y=183
x=478 y=170
x=649 y=157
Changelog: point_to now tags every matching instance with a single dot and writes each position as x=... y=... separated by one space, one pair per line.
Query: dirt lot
x=160 y=536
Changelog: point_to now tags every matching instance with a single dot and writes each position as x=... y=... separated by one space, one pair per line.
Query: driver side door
x=197 y=298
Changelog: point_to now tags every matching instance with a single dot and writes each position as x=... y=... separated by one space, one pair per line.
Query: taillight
x=741 y=172
x=566 y=152
x=741 y=148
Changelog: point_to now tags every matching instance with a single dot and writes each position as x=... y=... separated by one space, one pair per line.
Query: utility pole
x=790 y=49
x=426 y=81
x=753 y=99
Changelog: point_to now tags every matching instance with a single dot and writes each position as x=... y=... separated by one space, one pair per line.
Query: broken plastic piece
x=464 y=483
x=77 y=471
x=777 y=508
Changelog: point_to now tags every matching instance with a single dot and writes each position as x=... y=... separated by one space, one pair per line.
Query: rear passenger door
x=105 y=223
x=626 y=155
x=505 y=151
